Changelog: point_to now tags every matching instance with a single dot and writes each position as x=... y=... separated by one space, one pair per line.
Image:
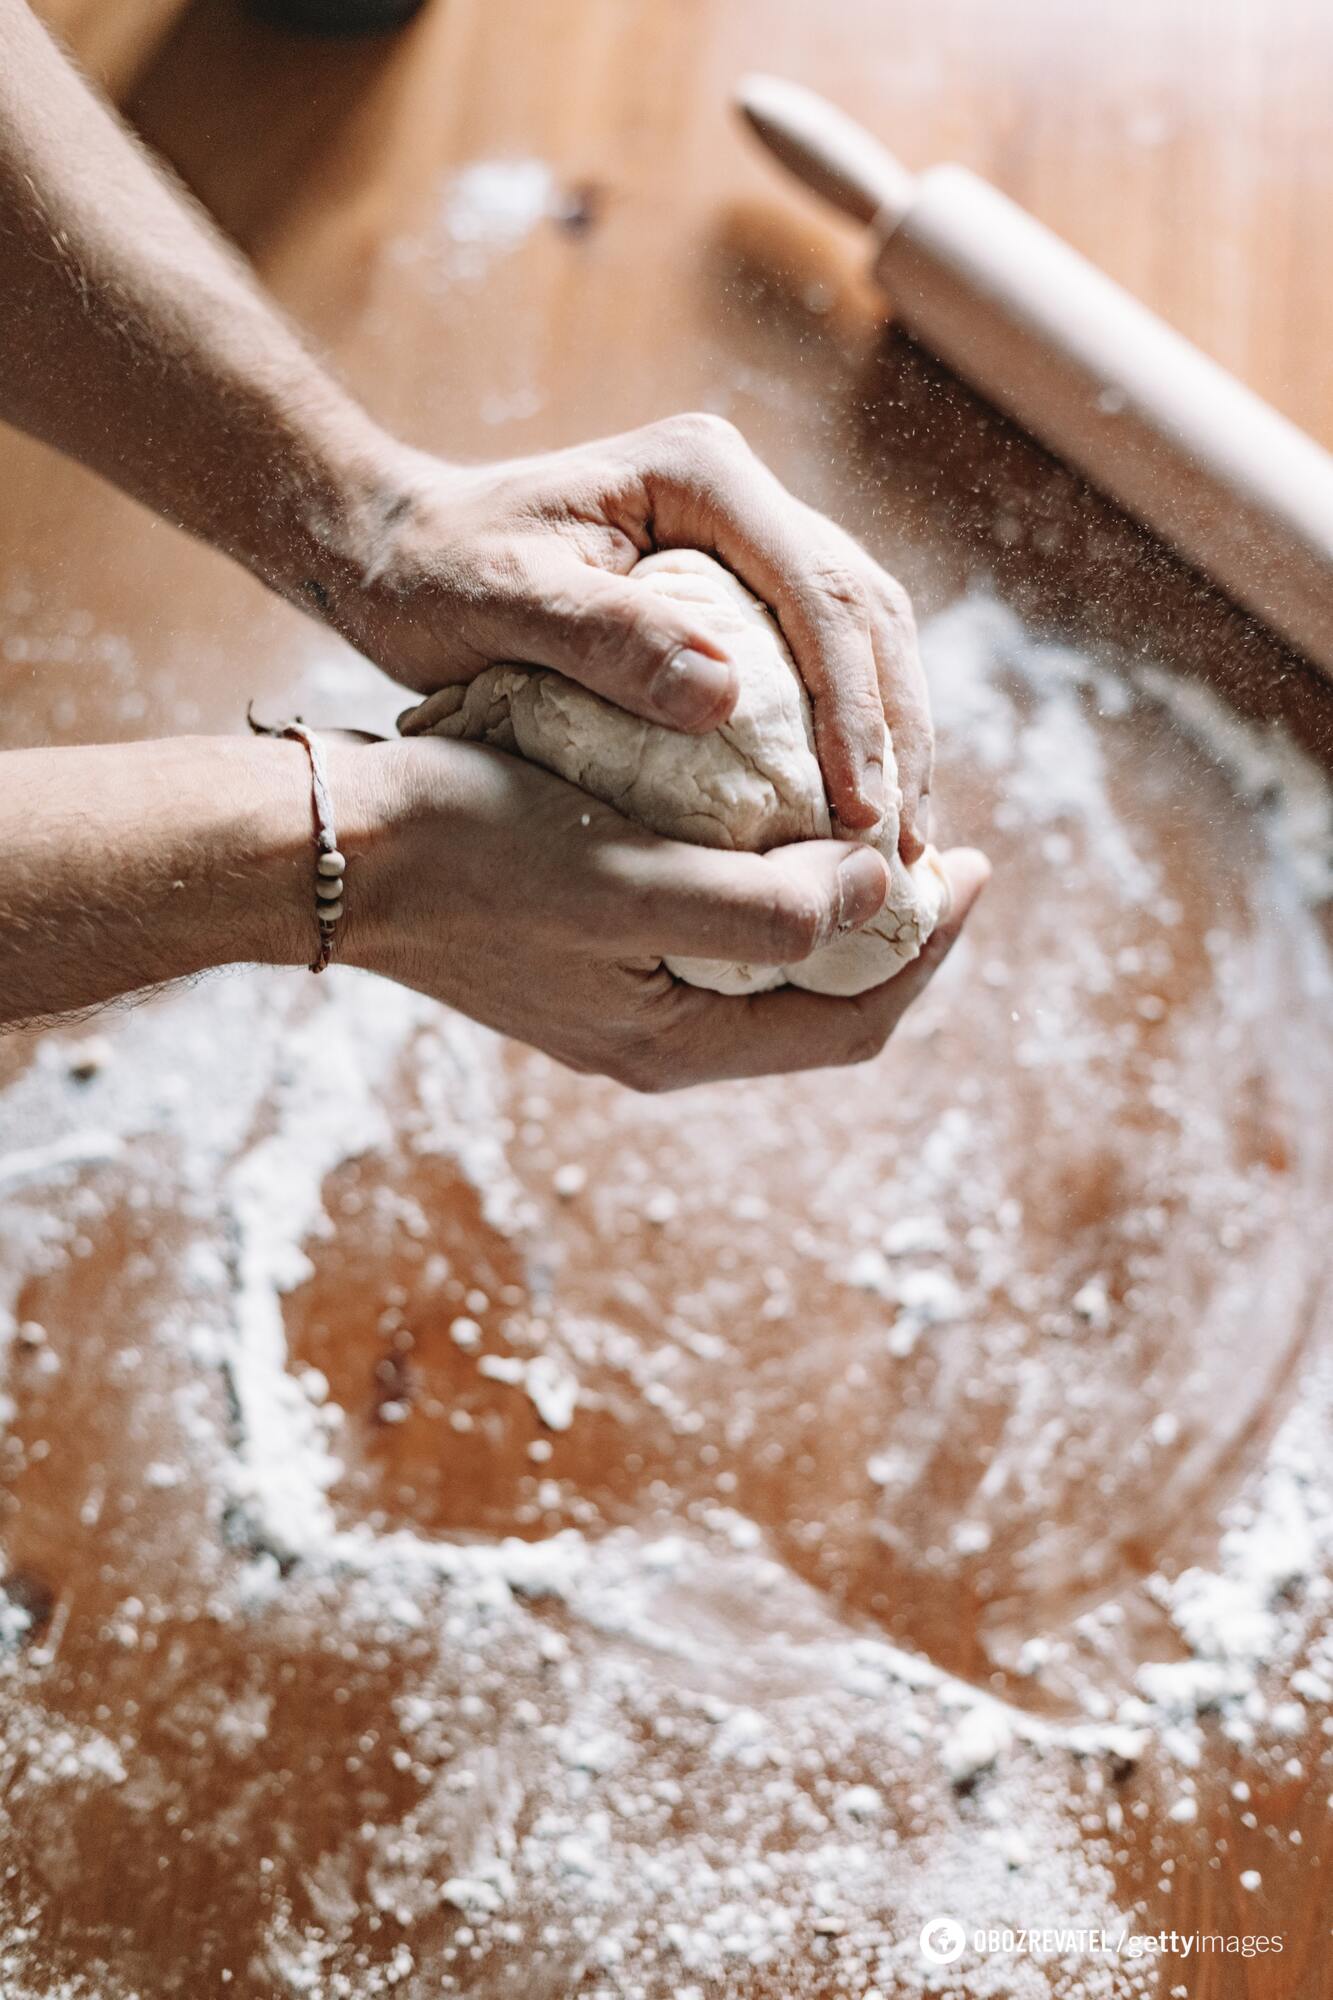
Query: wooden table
x=272 y=1763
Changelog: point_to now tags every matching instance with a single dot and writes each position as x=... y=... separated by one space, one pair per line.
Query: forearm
x=135 y=340
x=472 y=877
x=130 y=865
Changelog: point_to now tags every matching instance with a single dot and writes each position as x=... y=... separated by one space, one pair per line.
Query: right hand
x=504 y=892
x=459 y=567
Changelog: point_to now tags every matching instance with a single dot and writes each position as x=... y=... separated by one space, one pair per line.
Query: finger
x=906 y=700
x=646 y=653
x=423 y=717
x=768 y=1033
x=723 y=498
x=669 y=899
x=967 y=871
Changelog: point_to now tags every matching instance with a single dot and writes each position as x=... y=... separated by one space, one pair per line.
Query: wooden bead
x=329 y=888
x=331 y=863
x=329 y=913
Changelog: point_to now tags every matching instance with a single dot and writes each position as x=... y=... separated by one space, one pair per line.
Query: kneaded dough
x=755 y=783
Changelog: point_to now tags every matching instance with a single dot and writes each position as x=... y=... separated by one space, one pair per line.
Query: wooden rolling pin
x=1090 y=372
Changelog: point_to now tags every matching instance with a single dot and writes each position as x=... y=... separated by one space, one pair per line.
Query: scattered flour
x=58 y=1159
x=1267 y=767
x=490 y=206
x=799 y=1739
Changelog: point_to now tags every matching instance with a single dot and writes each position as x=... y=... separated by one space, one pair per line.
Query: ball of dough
x=755 y=783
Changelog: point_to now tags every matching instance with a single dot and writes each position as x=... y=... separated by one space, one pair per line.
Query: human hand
x=506 y=893
x=526 y=561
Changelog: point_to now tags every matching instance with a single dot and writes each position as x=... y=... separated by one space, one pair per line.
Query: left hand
x=526 y=561
x=500 y=890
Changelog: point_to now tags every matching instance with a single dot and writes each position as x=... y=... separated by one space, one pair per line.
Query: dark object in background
x=579 y=208
x=337 y=17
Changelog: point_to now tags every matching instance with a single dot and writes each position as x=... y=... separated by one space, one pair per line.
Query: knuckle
x=868 y=1038
x=867 y=1043
x=705 y=427
x=697 y=440
x=637 y=1059
x=863 y=706
x=624 y=1065
x=604 y=610
x=913 y=730
x=618 y=612
x=613 y=632
x=841 y=583
x=853 y=700
x=500 y=571
x=795 y=923
x=659 y=1045
x=639 y=1071
x=898 y=604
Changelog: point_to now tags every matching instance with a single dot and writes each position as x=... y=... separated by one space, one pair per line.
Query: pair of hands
x=530 y=906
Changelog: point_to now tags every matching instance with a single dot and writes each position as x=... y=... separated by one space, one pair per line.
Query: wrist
x=261 y=905
x=370 y=791
x=414 y=811
x=266 y=903
x=350 y=490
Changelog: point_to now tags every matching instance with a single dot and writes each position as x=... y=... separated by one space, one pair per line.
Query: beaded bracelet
x=329 y=863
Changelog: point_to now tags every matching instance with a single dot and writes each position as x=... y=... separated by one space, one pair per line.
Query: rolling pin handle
x=1057 y=345
x=827 y=150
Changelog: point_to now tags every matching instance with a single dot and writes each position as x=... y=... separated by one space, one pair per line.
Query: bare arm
x=130 y=865
x=126 y=866
x=135 y=340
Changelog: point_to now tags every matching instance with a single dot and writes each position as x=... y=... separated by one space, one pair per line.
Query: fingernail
x=870 y=786
x=692 y=690
x=863 y=882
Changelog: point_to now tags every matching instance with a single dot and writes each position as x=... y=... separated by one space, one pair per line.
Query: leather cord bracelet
x=330 y=866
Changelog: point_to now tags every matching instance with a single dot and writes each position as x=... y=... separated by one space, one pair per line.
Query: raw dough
x=755 y=783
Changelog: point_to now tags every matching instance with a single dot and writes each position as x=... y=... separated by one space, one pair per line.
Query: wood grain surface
x=652 y=261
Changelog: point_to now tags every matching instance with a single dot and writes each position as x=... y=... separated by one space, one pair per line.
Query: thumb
x=768 y=909
x=646 y=653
